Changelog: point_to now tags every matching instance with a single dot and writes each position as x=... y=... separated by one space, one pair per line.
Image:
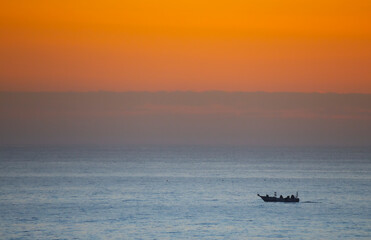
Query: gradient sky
x=144 y=45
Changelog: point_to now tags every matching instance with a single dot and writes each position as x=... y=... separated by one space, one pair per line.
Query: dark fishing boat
x=274 y=198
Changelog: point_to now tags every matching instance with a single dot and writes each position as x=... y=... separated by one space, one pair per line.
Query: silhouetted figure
x=281 y=196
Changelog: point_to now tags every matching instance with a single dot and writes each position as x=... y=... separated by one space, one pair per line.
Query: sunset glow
x=145 y=45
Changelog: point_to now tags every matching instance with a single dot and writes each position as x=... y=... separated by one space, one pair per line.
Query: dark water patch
x=311 y=202
x=132 y=200
x=210 y=200
x=207 y=224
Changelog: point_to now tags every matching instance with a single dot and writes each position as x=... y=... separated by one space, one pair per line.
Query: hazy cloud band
x=185 y=118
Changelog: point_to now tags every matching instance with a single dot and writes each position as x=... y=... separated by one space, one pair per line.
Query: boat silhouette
x=274 y=198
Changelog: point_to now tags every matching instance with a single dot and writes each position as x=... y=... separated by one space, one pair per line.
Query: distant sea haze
x=192 y=118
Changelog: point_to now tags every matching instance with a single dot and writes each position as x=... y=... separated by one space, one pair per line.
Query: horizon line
x=192 y=91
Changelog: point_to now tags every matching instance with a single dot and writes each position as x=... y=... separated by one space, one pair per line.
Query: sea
x=184 y=192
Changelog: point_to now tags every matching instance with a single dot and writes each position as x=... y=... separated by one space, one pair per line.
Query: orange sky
x=148 y=45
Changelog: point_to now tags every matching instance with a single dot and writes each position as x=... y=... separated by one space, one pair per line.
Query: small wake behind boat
x=274 y=198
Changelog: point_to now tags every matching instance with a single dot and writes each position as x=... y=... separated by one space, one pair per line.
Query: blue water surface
x=183 y=192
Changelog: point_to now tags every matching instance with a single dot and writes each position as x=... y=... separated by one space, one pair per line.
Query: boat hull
x=276 y=199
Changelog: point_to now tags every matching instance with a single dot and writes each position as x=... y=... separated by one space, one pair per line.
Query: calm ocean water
x=183 y=193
